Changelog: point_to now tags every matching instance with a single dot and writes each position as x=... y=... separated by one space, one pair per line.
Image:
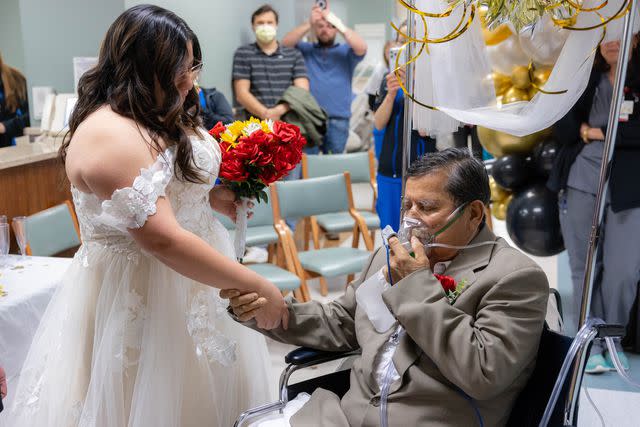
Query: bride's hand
x=223 y=200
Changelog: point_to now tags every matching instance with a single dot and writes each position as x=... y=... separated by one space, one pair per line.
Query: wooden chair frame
x=311 y=227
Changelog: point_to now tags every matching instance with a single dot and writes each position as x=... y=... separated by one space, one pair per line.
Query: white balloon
x=543 y=42
x=506 y=55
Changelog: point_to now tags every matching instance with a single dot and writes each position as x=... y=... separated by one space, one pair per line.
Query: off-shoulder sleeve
x=130 y=207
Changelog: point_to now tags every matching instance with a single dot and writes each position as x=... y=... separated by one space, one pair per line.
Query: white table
x=30 y=284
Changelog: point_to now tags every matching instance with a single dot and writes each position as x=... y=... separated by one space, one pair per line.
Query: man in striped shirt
x=263 y=70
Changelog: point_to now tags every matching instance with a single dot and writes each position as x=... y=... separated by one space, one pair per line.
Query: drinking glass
x=3 y=219
x=5 y=242
x=20 y=230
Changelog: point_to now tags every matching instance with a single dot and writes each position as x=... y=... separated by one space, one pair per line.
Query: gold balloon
x=498 y=194
x=501 y=82
x=500 y=144
x=499 y=209
x=497 y=36
x=541 y=75
x=515 y=95
x=520 y=77
x=532 y=92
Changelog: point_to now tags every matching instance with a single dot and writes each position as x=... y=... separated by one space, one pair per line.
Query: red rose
x=448 y=283
x=246 y=149
x=217 y=130
x=286 y=132
x=269 y=175
x=233 y=170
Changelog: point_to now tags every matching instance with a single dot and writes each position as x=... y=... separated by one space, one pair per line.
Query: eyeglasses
x=196 y=69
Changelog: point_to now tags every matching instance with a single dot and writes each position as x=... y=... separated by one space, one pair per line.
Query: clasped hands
x=402 y=263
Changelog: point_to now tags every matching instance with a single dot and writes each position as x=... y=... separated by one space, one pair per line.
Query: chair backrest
x=262 y=215
x=53 y=230
x=532 y=401
x=357 y=164
x=313 y=196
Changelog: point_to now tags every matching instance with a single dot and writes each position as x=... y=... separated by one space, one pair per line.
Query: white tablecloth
x=30 y=284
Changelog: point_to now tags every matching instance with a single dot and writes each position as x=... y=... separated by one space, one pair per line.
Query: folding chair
x=317 y=196
x=53 y=230
x=546 y=391
x=260 y=230
x=361 y=167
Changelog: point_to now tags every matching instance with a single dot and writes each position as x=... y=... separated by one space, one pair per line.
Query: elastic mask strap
x=455 y=215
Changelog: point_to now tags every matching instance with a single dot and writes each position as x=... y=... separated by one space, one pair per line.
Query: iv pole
x=408 y=103
x=601 y=200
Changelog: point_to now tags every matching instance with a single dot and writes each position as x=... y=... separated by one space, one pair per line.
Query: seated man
x=445 y=359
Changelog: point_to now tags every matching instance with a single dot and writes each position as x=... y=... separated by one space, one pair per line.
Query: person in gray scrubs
x=576 y=176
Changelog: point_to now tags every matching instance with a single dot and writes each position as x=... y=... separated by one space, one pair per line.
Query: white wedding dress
x=127 y=341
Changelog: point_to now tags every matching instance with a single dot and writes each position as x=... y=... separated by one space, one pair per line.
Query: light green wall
x=11 y=45
x=41 y=37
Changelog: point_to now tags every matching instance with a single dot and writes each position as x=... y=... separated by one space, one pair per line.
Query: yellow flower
x=235 y=129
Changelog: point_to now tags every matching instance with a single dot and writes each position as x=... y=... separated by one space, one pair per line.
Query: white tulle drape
x=452 y=76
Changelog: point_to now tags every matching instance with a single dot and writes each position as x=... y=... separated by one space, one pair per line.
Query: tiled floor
x=618 y=403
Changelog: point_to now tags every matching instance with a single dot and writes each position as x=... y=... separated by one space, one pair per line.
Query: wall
x=41 y=36
x=11 y=45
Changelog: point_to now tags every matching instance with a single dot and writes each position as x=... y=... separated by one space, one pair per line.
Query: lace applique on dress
x=201 y=326
x=132 y=315
x=131 y=206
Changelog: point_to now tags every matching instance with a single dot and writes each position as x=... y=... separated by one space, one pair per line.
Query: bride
x=137 y=334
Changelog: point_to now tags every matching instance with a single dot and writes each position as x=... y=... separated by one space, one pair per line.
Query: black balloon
x=544 y=156
x=513 y=171
x=488 y=165
x=533 y=223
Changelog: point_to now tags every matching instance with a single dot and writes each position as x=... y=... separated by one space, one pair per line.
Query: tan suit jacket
x=484 y=345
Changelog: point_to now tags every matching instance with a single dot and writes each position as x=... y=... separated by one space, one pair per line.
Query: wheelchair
x=542 y=403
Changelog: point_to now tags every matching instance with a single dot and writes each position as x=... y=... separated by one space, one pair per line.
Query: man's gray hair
x=467 y=177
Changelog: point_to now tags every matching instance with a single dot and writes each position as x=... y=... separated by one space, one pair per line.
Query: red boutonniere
x=451 y=289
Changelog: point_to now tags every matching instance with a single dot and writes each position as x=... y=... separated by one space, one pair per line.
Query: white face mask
x=266 y=33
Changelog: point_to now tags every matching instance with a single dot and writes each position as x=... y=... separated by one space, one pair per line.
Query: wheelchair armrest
x=309 y=356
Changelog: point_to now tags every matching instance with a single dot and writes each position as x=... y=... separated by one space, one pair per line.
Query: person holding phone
x=330 y=66
x=389 y=118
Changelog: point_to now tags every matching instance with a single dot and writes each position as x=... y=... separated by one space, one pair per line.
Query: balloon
x=501 y=83
x=543 y=41
x=499 y=209
x=488 y=166
x=544 y=156
x=520 y=77
x=498 y=194
x=500 y=143
x=533 y=223
x=541 y=75
x=515 y=95
x=506 y=55
x=513 y=171
x=497 y=36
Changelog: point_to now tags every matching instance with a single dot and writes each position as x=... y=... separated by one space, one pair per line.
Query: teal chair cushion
x=283 y=279
x=357 y=164
x=313 y=196
x=258 y=236
x=51 y=231
x=342 y=221
x=332 y=262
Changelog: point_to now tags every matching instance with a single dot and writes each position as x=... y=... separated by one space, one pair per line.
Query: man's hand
x=246 y=306
x=402 y=263
x=224 y=201
x=393 y=86
x=249 y=306
x=316 y=15
x=276 y=112
x=3 y=129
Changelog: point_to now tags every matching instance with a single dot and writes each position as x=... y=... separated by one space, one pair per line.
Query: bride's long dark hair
x=143 y=49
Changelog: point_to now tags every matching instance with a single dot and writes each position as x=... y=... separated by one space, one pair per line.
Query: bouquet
x=255 y=154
